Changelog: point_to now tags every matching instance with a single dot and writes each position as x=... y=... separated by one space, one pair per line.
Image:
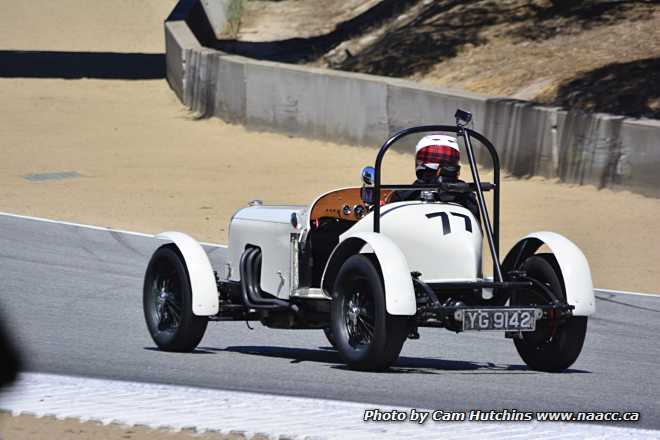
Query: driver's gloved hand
x=445 y=197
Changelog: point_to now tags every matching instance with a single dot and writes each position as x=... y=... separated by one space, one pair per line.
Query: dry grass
x=537 y=68
x=235 y=11
x=598 y=55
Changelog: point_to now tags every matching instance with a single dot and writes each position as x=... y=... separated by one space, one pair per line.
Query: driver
x=437 y=159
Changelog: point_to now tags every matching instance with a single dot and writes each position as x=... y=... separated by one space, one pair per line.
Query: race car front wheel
x=167 y=303
x=365 y=335
x=555 y=344
x=330 y=337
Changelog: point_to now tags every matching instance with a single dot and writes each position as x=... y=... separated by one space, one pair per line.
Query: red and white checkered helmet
x=434 y=151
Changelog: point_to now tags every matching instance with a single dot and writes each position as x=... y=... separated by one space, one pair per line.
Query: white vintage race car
x=370 y=271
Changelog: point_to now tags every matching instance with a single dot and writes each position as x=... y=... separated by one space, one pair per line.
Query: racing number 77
x=446 y=226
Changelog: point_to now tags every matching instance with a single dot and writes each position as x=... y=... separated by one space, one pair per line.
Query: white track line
x=624 y=292
x=96 y=228
x=142 y=234
x=178 y=407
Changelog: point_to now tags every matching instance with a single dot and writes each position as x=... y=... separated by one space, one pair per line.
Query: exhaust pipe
x=251 y=293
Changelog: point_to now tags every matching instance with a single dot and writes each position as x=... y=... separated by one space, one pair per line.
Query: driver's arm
x=405 y=194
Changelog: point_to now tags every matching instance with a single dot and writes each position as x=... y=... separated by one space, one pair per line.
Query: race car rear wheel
x=167 y=302
x=554 y=345
x=366 y=336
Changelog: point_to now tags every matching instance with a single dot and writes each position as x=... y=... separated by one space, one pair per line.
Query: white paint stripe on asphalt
x=625 y=292
x=142 y=234
x=97 y=228
x=178 y=407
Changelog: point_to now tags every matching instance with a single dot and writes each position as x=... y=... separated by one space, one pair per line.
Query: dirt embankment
x=596 y=55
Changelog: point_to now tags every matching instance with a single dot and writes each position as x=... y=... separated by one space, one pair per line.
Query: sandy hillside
x=80 y=25
x=596 y=55
x=263 y=20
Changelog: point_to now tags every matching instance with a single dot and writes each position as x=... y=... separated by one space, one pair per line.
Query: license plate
x=521 y=320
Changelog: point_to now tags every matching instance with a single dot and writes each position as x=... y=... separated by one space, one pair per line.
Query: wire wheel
x=167 y=298
x=167 y=303
x=366 y=336
x=359 y=315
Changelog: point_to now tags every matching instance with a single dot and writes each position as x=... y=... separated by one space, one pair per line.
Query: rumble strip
x=178 y=407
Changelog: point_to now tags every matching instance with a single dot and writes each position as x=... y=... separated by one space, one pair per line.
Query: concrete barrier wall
x=216 y=11
x=179 y=41
x=639 y=164
x=315 y=103
x=596 y=149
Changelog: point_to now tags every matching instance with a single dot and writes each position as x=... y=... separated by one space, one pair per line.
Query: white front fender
x=399 y=290
x=572 y=262
x=202 y=279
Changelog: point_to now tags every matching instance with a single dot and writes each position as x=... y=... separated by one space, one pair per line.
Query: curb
x=177 y=407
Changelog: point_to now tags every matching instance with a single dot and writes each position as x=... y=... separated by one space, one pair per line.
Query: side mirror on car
x=368 y=175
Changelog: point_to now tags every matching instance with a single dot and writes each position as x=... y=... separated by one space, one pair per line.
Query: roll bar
x=492 y=230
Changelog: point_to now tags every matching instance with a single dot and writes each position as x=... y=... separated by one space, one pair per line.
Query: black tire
x=167 y=303
x=330 y=337
x=553 y=346
x=367 y=337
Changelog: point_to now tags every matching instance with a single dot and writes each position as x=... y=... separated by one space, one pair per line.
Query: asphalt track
x=72 y=296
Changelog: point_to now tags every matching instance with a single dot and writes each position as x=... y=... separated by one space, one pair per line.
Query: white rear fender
x=202 y=279
x=572 y=262
x=399 y=290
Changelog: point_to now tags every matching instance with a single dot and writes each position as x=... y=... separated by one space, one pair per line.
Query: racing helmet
x=437 y=155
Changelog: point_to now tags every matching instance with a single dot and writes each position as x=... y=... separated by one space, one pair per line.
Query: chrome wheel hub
x=358 y=319
x=353 y=313
x=162 y=296
x=167 y=305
